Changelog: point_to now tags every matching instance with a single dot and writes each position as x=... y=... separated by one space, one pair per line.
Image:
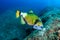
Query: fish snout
x=38 y=27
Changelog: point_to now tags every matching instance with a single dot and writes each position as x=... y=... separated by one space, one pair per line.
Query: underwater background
x=10 y=27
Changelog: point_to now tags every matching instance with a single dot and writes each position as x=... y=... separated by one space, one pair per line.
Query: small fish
x=31 y=19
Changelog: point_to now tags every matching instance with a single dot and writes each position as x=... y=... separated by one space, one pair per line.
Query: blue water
x=7 y=15
x=26 y=5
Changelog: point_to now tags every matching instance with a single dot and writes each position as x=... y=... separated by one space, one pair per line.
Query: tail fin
x=17 y=14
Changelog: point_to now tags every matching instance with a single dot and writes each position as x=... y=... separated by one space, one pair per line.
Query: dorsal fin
x=30 y=11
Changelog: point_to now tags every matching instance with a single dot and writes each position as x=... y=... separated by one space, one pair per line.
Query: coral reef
x=11 y=29
x=52 y=25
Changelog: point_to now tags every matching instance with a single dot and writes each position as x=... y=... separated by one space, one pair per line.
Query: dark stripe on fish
x=36 y=21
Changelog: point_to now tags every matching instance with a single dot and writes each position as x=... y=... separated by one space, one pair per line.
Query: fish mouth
x=38 y=27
